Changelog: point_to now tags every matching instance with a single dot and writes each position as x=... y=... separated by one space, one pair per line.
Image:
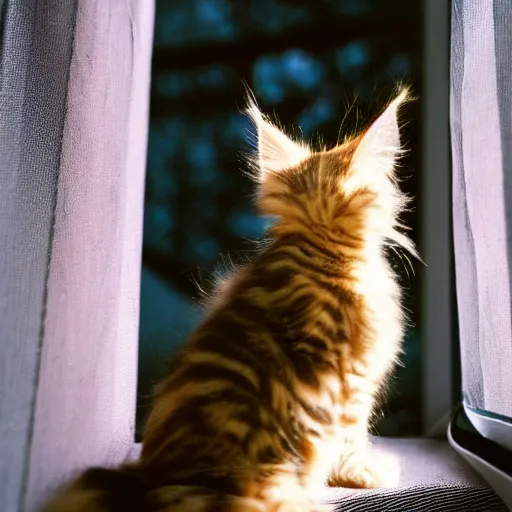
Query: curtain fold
x=74 y=108
x=481 y=127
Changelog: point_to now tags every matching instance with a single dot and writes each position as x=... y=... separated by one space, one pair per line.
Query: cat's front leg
x=356 y=465
x=357 y=469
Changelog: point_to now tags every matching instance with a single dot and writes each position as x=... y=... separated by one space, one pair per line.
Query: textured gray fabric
x=34 y=67
x=481 y=126
x=74 y=96
x=432 y=478
x=433 y=498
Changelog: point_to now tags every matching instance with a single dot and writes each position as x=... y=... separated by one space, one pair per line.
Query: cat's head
x=348 y=193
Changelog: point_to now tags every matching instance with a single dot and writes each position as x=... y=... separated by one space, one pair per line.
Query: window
x=305 y=61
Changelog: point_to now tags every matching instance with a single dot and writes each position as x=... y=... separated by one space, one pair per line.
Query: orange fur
x=271 y=397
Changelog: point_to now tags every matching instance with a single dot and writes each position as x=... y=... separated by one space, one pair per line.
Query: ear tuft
x=276 y=151
x=380 y=145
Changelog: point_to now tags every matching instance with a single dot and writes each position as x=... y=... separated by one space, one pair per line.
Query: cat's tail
x=125 y=490
x=102 y=490
x=121 y=490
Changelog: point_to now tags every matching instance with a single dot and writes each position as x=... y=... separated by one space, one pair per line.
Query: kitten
x=272 y=395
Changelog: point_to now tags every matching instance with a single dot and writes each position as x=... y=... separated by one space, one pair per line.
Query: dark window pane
x=305 y=60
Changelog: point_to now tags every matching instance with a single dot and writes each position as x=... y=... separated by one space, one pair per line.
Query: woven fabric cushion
x=423 y=498
x=433 y=478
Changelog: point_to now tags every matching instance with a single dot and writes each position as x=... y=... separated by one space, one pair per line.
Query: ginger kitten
x=272 y=395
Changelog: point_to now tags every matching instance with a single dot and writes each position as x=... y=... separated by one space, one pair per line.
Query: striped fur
x=272 y=395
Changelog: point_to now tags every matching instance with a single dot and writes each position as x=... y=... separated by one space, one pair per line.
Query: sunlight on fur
x=271 y=398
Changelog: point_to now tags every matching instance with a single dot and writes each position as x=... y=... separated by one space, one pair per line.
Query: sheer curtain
x=481 y=128
x=74 y=95
x=481 y=118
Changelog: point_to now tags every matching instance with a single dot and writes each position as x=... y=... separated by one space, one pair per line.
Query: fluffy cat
x=271 y=396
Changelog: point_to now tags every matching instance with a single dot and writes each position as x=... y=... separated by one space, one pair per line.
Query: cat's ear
x=379 y=148
x=276 y=151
